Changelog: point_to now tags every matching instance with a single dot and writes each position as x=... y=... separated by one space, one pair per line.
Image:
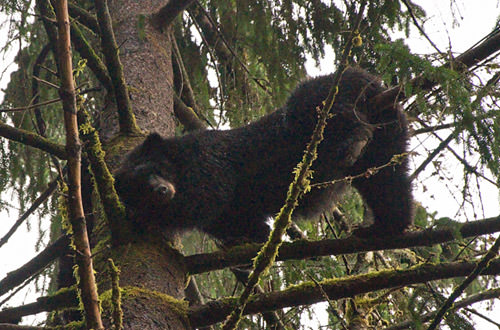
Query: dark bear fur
x=228 y=183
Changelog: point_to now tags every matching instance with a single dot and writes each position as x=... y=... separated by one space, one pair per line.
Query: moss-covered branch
x=300 y=184
x=33 y=140
x=187 y=116
x=84 y=17
x=104 y=181
x=126 y=117
x=309 y=292
x=94 y=62
x=63 y=298
x=302 y=249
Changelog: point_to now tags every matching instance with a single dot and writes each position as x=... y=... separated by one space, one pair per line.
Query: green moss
x=178 y=306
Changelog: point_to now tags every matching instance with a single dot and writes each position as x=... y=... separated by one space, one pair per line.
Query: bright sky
x=473 y=20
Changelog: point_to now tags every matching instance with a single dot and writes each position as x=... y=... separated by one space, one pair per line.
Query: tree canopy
x=90 y=79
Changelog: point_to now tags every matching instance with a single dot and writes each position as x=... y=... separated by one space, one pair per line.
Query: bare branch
x=83 y=256
x=50 y=189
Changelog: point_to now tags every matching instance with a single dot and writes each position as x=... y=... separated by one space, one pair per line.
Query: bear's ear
x=152 y=142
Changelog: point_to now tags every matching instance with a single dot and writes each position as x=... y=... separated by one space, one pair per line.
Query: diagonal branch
x=38 y=263
x=166 y=15
x=267 y=255
x=486 y=295
x=50 y=189
x=482 y=264
x=472 y=56
x=126 y=116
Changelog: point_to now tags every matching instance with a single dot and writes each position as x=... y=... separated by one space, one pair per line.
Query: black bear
x=229 y=183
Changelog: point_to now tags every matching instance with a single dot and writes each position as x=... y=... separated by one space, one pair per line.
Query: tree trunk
x=151 y=275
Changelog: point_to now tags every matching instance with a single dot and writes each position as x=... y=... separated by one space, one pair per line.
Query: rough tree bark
x=151 y=274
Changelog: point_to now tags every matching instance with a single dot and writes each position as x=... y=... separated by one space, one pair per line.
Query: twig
x=31 y=106
x=444 y=143
x=481 y=265
x=479 y=52
x=489 y=294
x=43 y=196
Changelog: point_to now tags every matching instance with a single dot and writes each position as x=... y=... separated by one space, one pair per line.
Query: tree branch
x=84 y=17
x=267 y=255
x=309 y=292
x=64 y=298
x=166 y=15
x=93 y=60
x=302 y=249
x=490 y=294
x=83 y=255
x=126 y=116
x=482 y=264
x=187 y=116
x=40 y=199
x=103 y=180
x=38 y=263
x=33 y=140
x=462 y=62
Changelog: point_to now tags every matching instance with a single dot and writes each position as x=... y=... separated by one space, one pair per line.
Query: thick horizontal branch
x=33 y=140
x=302 y=249
x=309 y=292
x=42 y=260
